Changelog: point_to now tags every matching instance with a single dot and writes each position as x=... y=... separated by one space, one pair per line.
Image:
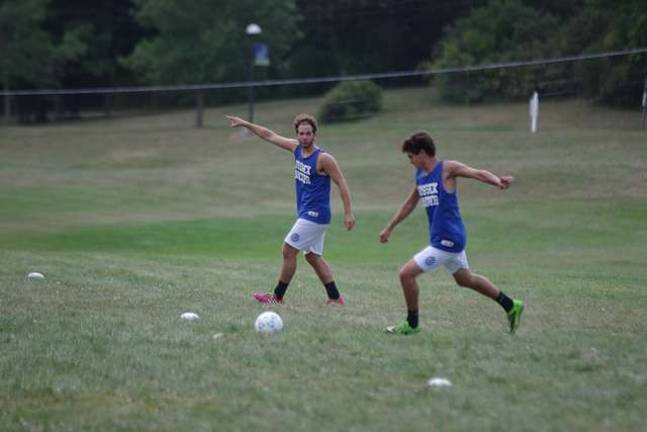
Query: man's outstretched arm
x=458 y=169
x=262 y=132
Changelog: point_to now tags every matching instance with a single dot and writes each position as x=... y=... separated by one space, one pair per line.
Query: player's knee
x=406 y=274
x=288 y=252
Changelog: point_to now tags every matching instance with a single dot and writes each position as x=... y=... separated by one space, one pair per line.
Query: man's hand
x=506 y=181
x=349 y=221
x=384 y=235
x=236 y=121
x=264 y=133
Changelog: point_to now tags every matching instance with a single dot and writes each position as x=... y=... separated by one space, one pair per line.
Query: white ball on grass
x=189 y=316
x=35 y=276
x=439 y=382
x=268 y=323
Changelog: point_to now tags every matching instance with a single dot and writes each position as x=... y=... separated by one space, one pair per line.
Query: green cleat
x=402 y=328
x=514 y=316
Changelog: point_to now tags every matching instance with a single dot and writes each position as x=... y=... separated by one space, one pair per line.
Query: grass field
x=136 y=220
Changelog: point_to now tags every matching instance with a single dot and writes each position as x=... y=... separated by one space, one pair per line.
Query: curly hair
x=305 y=118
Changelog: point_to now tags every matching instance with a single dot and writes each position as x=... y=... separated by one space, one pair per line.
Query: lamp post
x=644 y=104
x=252 y=30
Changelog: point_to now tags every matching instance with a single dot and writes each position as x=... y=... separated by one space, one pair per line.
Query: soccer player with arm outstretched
x=436 y=188
x=313 y=171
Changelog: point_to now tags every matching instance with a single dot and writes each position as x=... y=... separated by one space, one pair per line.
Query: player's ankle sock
x=504 y=301
x=412 y=318
x=331 y=289
x=280 y=289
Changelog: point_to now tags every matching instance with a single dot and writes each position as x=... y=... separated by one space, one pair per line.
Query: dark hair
x=305 y=118
x=419 y=141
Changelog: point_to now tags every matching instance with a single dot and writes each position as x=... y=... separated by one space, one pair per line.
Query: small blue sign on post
x=261 y=54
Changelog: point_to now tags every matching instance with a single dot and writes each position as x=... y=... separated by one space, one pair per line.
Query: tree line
x=80 y=44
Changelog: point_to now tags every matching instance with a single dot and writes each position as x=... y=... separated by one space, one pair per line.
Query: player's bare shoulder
x=326 y=162
x=452 y=168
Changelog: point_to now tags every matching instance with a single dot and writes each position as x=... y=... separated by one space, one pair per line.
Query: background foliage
x=205 y=41
x=510 y=30
x=503 y=31
x=351 y=100
x=68 y=44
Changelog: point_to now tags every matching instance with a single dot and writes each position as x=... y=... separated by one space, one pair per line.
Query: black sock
x=504 y=301
x=412 y=318
x=331 y=289
x=280 y=289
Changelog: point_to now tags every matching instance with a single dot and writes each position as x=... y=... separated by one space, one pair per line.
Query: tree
x=361 y=36
x=601 y=27
x=90 y=37
x=558 y=8
x=26 y=55
x=26 y=48
x=55 y=43
x=204 y=41
x=502 y=31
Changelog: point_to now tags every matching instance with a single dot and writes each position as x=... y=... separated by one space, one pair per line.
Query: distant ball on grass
x=189 y=316
x=439 y=382
x=35 y=276
x=268 y=323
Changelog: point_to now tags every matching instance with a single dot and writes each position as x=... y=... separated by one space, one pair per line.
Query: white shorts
x=430 y=258
x=307 y=236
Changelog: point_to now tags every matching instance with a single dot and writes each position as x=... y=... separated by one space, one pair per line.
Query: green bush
x=351 y=100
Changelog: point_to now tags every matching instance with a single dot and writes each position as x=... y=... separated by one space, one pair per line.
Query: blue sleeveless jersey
x=446 y=229
x=312 y=189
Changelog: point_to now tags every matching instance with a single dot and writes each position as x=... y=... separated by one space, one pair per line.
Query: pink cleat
x=266 y=298
x=339 y=301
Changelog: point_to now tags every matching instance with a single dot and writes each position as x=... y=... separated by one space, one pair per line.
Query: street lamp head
x=253 y=29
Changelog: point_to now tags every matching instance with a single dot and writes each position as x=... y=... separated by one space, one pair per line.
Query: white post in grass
x=534 y=111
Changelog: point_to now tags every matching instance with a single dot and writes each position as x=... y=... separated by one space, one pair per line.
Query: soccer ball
x=268 y=323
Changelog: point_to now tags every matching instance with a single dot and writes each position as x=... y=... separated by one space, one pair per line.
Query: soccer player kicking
x=314 y=168
x=436 y=188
